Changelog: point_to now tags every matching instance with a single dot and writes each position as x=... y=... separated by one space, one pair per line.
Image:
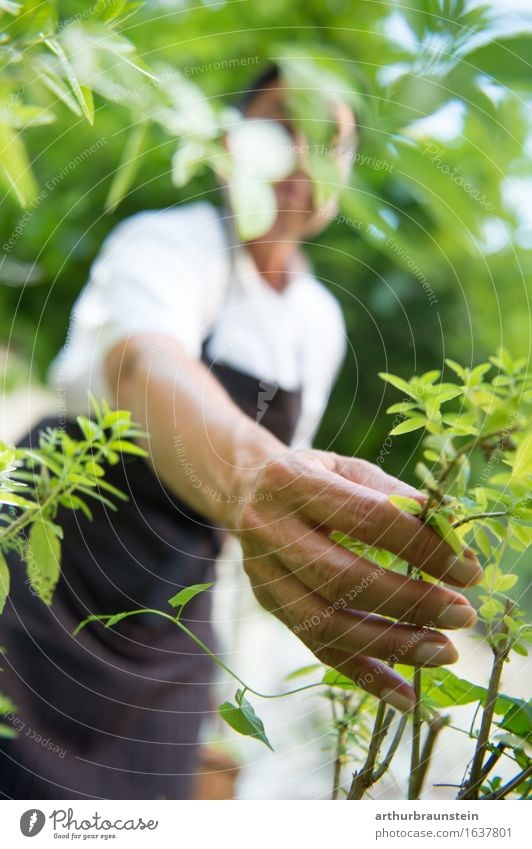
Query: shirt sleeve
x=158 y=272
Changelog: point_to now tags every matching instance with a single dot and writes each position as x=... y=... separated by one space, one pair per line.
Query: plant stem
x=468 y=446
x=176 y=621
x=511 y=785
x=472 y=785
x=342 y=728
x=363 y=779
x=394 y=745
x=476 y=516
x=418 y=777
x=413 y=783
x=492 y=760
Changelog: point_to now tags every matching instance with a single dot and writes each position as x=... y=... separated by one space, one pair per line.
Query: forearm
x=201 y=445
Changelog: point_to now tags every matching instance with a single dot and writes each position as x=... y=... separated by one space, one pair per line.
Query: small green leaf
x=399 y=383
x=15 y=500
x=186 y=595
x=43 y=560
x=408 y=426
x=127 y=169
x=332 y=678
x=114 y=620
x=128 y=448
x=89 y=429
x=456 y=367
x=446 y=531
x=4 y=581
x=116 y=417
x=505 y=583
x=518 y=720
x=302 y=671
x=409 y=505
x=82 y=94
x=401 y=407
x=519 y=648
x=244 y=720
x=489 y=610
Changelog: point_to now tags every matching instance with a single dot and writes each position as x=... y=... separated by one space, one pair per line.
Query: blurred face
x=297 y=217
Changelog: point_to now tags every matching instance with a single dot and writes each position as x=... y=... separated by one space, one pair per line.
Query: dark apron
x=115 y=713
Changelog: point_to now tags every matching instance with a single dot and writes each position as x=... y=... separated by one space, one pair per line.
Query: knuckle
x=389 y=645
x=248 y=519
x=426 y=545
x=276 y=473
x=325 y=627
x=367 y=524
x=416 y=609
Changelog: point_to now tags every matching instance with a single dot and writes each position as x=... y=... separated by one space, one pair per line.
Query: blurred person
x=225 y=352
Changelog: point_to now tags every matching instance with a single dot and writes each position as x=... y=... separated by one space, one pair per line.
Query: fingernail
x=466 y=571
x=434 y=654
x=397 y=700
x=457 y=616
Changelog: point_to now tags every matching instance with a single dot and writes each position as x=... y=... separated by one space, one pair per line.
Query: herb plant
x=35 y=482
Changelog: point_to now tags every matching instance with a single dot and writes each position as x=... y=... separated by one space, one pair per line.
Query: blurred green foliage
x=429 y=257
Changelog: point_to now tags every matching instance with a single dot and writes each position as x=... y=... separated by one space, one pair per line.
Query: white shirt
x=178 y=272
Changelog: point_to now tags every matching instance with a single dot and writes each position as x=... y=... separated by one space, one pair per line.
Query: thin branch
x=511 y=785
x=416 y=738
x=394 y=745
x=492 y=760
x=435 y=726
x=472 y=785
x=342 y=727
x=363 y=779
x=476 y=516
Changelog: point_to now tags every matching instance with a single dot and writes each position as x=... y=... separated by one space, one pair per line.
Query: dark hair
x=271 y=74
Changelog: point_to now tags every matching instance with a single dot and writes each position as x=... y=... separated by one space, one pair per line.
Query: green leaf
x=401 y=407
x=114 y=620
x=128 y=448
x=489 y=610
x=15 y=170
x=244 y=720
x=409 y=505
x=115 y=417
x=4 y=581
x=82 y=94
x=425 y=475
x=518 y=720
x=332 y=678
x=522 y=464
x=302 y=671
x=408 y=425
x=456 y=367
x=482 y=540
x=89 y=429
x=186 y=595
x=127 y=169
x=74 y=502
x=15 y=500
x=446 y=531
x=399 y=383
x=445 y=689
x=505 y=583
x=43 y=559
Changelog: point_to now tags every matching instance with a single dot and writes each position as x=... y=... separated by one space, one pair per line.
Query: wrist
x=254 y=447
